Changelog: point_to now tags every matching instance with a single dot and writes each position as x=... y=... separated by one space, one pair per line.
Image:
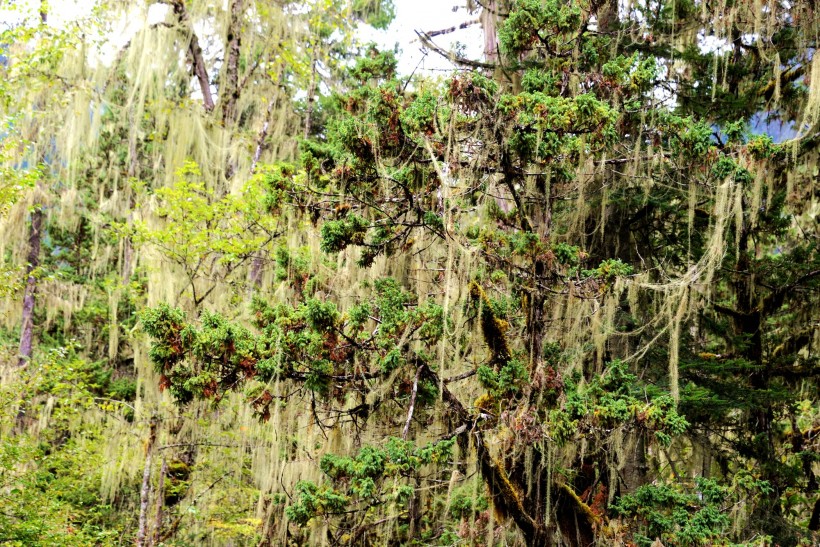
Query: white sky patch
x=428 y=15
x=411 y=15
x=665 y=95
x=713 y=44
x=60 y=12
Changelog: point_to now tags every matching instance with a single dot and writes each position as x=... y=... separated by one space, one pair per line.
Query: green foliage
x=554 y=128
x=642 y=268
x=420 y=116
x=375 y=476
x=694 y=140
x=378 y=14
x=609 y=270
x=198 y=362
x=374 y=65
x=533 y=20
x=312 y=500
x=464 y=502
x=507 y=381
x=51 y=481
x=207 y=236
x=613 y=399
x=684 y=515
x=308 y=343
x=321 y=316
x=337 y=235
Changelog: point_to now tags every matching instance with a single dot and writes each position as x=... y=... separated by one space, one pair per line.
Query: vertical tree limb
x=489 y=24
x=412 y=403
x=145 y=490
x=27 y=325
x=197 y=59
x=201 y=73
x=35 y=238
x=229 y=91
x=258 y=263
x=260 y=141
x=160 y=503
x=504 y=494
x=814 y=522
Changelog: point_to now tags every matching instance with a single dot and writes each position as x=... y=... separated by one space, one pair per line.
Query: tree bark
x=412 y=404
x=503 y=493
x=201 y=73
x=489 y=24
x=197 y=60
x=35 y=238
x=260 y=140
x=814 y=523
x=145 y=490
x=230 y=83
x=160 y=503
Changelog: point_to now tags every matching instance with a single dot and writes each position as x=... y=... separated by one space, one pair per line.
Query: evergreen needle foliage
x=261 y=289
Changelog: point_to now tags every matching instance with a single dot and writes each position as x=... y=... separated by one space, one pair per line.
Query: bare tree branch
x=195 y=52
x=412 y=403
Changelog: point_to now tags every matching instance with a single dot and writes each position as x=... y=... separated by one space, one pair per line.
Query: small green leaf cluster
x=292 y=264
x=464 y=502
x=506 y=381
x=277 y=181
x=763 y=147
x=531 y=21
x=100 y=380
x=536 y=80
x=609 y=270
x=419 y=117
x=633 y=75
x=726 y=168
x=681 y=514
x=691 y=139
x=376 y=13
x=375 y=476
x=567 y=254
x=313 y=500
x=309 y=342
x=374 y=65
x=554 y=130
x=612 y=400
x=164 y=323
x=338 y=234
x=199 y=362
x=472 y=89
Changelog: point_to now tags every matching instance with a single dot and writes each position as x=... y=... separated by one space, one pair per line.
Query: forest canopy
x=259 y=287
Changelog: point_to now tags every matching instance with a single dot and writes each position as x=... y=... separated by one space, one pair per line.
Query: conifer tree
x=619 y=243
x=566 y=295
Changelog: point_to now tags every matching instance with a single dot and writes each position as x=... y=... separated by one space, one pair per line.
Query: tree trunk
x=35 y=238
x=145 y=490
x=197 y=59
x=229 y=92
x=814 y=523
x=160 y=503
x=489 y=23
x=635 y=470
